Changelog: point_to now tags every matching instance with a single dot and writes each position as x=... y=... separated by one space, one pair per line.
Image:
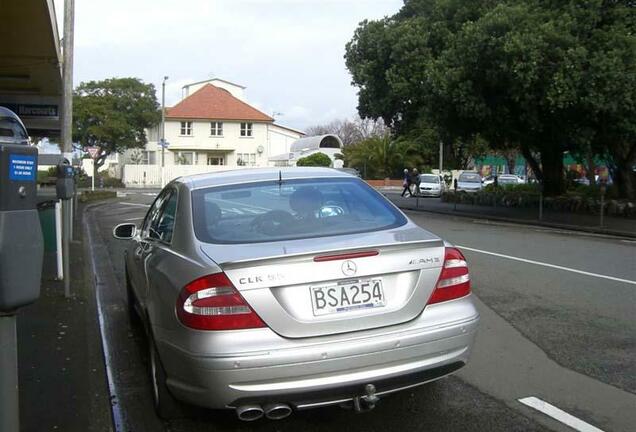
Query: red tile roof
x=214 y=103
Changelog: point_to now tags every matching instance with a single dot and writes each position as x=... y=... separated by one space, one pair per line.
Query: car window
x=154 y=213
x=162 y=226
x=469 y=178
x=294 y=209
x=429 y=179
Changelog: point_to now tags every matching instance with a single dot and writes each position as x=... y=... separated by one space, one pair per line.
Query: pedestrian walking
x=416 y=181
x=406 y=182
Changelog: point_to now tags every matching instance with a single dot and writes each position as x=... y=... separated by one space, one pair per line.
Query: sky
x=288 y=53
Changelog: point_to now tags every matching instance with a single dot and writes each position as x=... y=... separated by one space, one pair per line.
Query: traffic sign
x=93 y=151
x=163 y=143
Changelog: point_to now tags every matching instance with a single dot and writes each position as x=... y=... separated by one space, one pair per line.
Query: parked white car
x=509 y=179
x=431 y=185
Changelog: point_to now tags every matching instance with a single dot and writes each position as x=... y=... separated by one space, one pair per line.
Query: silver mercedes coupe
x=271 y=290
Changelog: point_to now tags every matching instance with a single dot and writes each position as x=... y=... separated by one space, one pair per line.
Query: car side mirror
x=125 y=231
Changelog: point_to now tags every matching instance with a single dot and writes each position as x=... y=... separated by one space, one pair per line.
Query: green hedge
x=584 y=199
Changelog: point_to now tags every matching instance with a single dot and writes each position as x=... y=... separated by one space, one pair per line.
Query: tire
x=166 y=406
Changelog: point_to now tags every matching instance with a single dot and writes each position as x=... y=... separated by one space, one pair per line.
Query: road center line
x=612 y=278
x=559 y=414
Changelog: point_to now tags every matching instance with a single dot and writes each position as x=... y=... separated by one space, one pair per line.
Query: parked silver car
x=469 y=182
x=269 y=290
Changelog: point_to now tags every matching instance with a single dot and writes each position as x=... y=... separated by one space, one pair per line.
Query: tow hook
x=366 y=402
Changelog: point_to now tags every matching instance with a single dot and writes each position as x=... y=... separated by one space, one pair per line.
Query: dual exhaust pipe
x=273 y=411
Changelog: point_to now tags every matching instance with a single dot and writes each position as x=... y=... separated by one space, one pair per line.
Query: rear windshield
x=470 y=178
x=429 y=179
x=295 y=209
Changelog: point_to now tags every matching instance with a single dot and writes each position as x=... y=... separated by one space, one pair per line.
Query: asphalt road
x=557 y=323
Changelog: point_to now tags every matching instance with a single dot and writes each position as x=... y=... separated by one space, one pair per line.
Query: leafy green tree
x=315 y=160
x=535 y=76
x=382 y=157
x=113 y=115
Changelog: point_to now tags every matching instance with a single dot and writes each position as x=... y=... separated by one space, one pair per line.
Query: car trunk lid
x=279 y=280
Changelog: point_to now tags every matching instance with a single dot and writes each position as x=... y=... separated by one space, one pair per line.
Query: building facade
x=212 y=128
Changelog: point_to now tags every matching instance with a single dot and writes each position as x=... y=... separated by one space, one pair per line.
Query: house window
x=186 y=128
x=148 y=157
x=185 y=158
x=216 y=160
x=246 y=159
x=216 y=129
x=246 y=129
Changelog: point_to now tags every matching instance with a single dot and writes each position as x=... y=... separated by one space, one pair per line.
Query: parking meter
x=65 y=183
x=21 y=244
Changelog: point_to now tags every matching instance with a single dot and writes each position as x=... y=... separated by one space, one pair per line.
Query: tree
x=315 y=160
x=534 y=76
x=383 y=157
x=113 y=115
x=350 y=132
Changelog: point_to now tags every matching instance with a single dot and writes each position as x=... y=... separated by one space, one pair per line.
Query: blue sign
x=22 y=167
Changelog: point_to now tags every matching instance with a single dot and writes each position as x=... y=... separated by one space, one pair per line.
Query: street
x=557 y=324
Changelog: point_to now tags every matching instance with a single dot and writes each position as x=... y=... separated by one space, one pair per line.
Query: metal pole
x=9 y=400
x=58 y=240
x=163 y=131
x=67 y=130
x=441 y=157
x=93 y=176
x=602 y=206
x=541 y=203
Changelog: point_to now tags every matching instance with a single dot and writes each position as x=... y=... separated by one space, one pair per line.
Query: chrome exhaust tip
x=277 y=411
x=249 y=412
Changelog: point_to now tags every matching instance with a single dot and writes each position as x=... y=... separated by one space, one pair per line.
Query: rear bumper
x=310 y=374
x=432 y=192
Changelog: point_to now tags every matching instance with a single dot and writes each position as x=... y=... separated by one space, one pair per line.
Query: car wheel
x=166 y=406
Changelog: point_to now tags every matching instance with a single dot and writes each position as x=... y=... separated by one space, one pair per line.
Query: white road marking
x=559 y=414
x=612 y=278
x=134 y=204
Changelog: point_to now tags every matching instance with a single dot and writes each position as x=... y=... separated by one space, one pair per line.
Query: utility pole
x=163 y=131
x=67 y=131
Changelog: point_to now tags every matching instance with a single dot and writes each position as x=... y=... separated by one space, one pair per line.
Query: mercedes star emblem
x=349 y=268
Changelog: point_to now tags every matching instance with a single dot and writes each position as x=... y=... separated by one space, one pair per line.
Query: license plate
x=347 y=296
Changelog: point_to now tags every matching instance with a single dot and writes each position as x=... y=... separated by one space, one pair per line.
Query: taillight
x=212 y=303
x=454 y=281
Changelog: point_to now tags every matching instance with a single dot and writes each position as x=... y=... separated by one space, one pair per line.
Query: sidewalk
x=61 y=366
x=624 y=227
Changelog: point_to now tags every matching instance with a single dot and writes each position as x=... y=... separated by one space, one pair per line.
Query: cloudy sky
x=288 y=53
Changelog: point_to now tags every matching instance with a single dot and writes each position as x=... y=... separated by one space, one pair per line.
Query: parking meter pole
x=66 y=244
x=9 y=407
x=58 y=240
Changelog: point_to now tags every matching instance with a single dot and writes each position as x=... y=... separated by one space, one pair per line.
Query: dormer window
x=246 y=129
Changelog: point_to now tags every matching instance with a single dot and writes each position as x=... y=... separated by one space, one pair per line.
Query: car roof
x=249 y=175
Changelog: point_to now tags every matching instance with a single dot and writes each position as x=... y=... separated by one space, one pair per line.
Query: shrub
x=315 y=160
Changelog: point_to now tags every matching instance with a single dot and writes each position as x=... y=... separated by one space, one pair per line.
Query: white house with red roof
x=212 y=128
